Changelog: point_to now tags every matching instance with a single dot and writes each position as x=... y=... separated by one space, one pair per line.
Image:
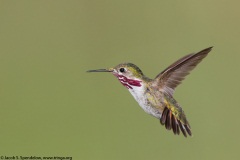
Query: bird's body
x=147 y=98
x=155 y=96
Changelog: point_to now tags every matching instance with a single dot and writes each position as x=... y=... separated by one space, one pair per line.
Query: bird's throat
x=129 y=83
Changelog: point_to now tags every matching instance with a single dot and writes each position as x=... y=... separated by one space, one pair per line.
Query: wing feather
x=173 y=75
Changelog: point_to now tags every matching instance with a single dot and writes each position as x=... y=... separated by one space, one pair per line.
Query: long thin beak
x=100 y=70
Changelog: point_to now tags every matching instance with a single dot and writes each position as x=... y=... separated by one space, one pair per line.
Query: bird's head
x=127 y=73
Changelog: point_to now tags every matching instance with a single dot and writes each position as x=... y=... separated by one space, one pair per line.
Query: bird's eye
x=122 y=70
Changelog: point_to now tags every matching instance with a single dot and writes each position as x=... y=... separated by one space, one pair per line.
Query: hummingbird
x=155 y=96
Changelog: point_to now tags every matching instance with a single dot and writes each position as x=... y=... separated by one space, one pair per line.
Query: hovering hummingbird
x=155 y=96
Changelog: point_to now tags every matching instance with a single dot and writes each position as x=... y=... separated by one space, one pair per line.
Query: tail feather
x=172 y=123
x=164 y=117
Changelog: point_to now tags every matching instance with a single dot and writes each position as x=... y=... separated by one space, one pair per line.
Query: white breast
x=137 y=89
x=140 y=97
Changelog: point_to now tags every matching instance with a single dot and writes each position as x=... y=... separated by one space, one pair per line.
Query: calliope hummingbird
x=155 y=96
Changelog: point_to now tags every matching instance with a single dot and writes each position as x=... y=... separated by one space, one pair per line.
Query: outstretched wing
x=172 y=76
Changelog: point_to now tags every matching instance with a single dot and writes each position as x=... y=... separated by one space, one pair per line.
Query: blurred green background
x=49 y=105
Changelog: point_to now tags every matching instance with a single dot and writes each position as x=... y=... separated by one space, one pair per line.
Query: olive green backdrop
x=49 y=105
